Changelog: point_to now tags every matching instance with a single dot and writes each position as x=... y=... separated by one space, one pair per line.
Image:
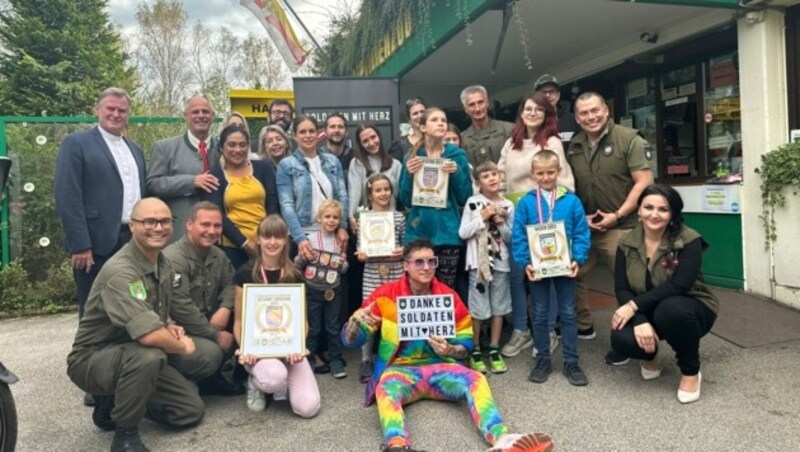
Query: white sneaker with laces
x=256 y=400
x=519 y=340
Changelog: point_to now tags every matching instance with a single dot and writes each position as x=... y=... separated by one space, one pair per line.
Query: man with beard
x=179 y=166
x=281 y=114
x=337 y=141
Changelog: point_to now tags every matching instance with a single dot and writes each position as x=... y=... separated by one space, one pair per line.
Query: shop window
x=640 y=95
x=722 y=115
x=680 y=144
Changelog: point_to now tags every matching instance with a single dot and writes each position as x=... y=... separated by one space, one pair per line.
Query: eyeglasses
x=281 y=113
x=150 y=223
x=419 y=264
x=538 y=111
x=548 y=92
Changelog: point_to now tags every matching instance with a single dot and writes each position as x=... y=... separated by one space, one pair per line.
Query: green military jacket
x=662 y=264
x=209 y=279
x=603 y=174
x=485 y=144
x=132 y=297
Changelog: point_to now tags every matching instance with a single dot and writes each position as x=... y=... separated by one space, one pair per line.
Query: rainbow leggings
x=401 y=385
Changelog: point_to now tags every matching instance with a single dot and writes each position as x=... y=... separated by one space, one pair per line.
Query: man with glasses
x=485 y=138
x=549 y=87
x=611 y=165
x=179 y=166
x=432 y=368
x=99 y=177
x=127 y=351
x=281 y=114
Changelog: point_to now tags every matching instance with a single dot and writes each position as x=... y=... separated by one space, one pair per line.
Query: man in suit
x=179 y=166
x=99 y=176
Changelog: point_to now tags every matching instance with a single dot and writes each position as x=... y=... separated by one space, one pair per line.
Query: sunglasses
x=419 y=264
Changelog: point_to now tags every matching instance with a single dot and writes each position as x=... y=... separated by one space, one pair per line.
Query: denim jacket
x=294 y=190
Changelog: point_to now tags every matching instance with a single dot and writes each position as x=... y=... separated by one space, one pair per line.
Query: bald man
x=179 y=166
x=126 y=353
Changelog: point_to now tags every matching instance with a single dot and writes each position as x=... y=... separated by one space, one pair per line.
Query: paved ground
x=750 y=401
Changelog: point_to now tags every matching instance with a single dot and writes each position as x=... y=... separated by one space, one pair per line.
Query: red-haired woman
x=536 y=128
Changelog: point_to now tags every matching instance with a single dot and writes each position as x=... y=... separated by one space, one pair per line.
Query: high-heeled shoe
x=689 y=397
x=648 y=374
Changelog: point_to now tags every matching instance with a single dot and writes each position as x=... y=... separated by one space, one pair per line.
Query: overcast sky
x=216 y=13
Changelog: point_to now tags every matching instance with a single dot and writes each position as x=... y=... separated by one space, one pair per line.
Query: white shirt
x=318 y=178
x=128 y=172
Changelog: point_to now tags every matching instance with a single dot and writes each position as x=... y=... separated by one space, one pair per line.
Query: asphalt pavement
x=750 y=401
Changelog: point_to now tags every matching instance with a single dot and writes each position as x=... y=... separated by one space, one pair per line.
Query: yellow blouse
x=244 y=205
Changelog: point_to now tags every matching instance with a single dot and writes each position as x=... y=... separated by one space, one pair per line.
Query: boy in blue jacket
x=549 y=203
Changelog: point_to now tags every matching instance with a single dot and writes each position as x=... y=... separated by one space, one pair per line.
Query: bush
x=21 y=296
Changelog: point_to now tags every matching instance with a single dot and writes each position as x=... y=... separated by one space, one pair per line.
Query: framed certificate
x=430 y=185
x=376 y=233
x=550 y=253
x=273 y=320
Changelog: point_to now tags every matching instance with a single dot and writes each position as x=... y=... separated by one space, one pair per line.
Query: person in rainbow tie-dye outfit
x=408 y=371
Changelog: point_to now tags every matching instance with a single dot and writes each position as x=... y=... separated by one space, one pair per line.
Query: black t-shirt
x=245 y=275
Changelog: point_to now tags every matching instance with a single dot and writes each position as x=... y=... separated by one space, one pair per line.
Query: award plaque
x=376 y=233
x=430 y=185
x=550 y=254
x=273 y=320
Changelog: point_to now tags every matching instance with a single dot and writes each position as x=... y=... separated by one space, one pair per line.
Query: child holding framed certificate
x=550 y=227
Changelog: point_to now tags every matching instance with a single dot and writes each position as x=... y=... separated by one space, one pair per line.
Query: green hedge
x=39 y=278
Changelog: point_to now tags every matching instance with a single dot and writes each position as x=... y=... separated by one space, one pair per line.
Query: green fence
x=35 y=273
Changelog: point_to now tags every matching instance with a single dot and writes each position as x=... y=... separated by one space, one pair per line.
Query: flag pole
x=297 y=18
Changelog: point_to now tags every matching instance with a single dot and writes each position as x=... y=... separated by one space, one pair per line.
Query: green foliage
x=779 y=169
x=57 y=55
x=40 y=278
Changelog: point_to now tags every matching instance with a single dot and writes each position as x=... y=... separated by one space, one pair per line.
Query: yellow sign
x=254 y=103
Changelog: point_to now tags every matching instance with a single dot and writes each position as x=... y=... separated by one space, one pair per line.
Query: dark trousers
x=84 y=279
x=448 y=264
x=237 y=256
x=323 y=316
x=681 y=321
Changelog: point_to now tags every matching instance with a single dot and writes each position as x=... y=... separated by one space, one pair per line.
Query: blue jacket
x=264 y=172
x=440 y=226
x=568 y=209
x=294 y=190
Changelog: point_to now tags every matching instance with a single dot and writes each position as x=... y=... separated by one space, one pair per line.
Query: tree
x=329 y=60
x=162 y=57
x=261 y=67
x=57 y=55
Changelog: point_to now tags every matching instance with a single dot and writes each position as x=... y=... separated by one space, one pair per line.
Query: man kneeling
x=407 y=371
x=125 y=353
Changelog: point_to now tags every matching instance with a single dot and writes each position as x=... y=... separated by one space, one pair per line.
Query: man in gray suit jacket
x=99 y=177
x=179 y=165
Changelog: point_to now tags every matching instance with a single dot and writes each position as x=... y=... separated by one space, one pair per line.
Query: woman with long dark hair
x=370 y=157
x=659 y=287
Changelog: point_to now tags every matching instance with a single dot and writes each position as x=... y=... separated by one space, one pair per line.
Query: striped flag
x=271 y=15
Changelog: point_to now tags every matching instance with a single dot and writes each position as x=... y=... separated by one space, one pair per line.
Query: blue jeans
x=565 y=301
x=519 y=299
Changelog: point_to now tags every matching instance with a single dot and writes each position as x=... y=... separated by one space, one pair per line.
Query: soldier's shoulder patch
x=176 y=280
x=137 y=290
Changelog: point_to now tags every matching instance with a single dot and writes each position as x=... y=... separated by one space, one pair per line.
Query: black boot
x=128 y=440
x=102 y=412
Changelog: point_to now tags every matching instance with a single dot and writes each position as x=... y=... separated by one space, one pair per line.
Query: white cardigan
x=515 y=166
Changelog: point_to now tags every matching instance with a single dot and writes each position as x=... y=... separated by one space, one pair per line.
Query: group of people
x=161 y=257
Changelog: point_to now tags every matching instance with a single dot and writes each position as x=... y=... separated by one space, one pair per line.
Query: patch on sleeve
x=176 y=280
x=137 y=290
x=648 y=153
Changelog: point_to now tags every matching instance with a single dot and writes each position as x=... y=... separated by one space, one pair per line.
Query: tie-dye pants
x=402 y=385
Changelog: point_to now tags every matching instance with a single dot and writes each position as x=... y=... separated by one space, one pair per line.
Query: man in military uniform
x=548 y=86
x=611 y=164
x=208 y=275
x=485 y=138
x=126 y=353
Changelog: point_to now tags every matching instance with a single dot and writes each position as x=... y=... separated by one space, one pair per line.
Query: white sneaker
x=529 y=442
x=256 y=400
x=519 y=340
x=553 y=344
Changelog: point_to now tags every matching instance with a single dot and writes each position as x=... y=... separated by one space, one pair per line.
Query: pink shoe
x=528 y=442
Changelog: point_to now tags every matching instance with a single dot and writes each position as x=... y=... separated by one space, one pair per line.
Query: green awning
x=730 y=4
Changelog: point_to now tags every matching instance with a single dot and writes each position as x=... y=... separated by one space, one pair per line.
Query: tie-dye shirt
x=408 y=353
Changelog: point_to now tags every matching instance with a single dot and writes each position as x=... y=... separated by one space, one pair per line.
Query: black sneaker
x=101 y=416
x=575 y=374
x=128 y=440
x=541 y=371
x=587 y=334
x=615 y=358
x=337 y=369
